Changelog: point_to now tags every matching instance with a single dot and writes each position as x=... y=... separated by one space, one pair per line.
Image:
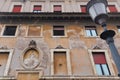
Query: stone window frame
x=108 y=59
x=65 y=30
x=67 y=58
x=16 y=3
x=3 y=28
x=10 y=51
x=56 y=3
x=42 y=4
x=41 y=31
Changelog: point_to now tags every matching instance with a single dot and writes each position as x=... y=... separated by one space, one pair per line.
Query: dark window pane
x=9 y=30
x=58 y=31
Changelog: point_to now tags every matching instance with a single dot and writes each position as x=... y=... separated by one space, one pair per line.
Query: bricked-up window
x=112 y=8
x=16 y=8
x=57 y=8
x=101 y=63
x=58 y=31
x=34 y=31
x=90 y=31
x=83 y=8
x=118 y=28
x=37 y=8
x=60 y=63
x=9 y=31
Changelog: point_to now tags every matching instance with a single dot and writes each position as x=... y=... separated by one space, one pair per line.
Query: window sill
x=92 y=36
x=8 y=36
x=33 y=36
x=59 y=36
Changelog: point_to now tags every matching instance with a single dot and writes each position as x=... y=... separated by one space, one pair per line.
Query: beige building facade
x=55 y=40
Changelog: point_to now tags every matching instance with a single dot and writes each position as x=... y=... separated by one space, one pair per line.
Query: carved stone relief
x=31 y=58
x=34 y=57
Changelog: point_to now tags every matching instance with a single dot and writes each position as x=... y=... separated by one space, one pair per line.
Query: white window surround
x=67 y=57
x=8 y=61
x=116 y=5
x=65 y=31
x=16 y=3
x=56 y=3
x=37 y=3
x=41 y=32
x=3 y=28
x=108 y=59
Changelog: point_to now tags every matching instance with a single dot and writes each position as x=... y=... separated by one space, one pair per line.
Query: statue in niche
x=31 y=60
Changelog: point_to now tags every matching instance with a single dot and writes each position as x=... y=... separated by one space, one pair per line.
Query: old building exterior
x=55 y=40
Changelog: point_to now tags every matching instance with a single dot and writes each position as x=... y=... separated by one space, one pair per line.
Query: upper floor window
x=83 y=8
x=90 y=31
x=37 y=8
x=58 y=31
x=57 y=8
x=118 y=28
x=9 y=30
x=101 y=63
x=16 y=8
x=112 y=8
x=34 y=31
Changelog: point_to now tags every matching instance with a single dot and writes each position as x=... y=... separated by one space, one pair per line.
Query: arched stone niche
x=31 y=58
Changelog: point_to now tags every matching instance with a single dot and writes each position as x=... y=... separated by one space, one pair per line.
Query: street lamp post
x=98 y=12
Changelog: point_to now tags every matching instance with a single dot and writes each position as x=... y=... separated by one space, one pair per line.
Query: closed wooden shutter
x=83 y=8
x=37 y=8
x=99 y=58
x=57 y=8
x=112 y=8
x=34 y=31
x=60 y=63
x=28 y=76
x=17 y=8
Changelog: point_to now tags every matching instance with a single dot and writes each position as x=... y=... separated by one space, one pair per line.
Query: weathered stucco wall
x=76 y=41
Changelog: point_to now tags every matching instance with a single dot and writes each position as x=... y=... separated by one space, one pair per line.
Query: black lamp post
x=98 y=12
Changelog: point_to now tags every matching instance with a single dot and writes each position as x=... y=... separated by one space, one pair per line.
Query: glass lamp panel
x=97 y=9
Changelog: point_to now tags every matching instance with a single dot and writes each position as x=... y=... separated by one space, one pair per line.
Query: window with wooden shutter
x=90 y=31
x=101 y=63
x=57 y=8
x=83 y=8
x=58 y=31
x=112 y=8
x=16 y=8
x=37 y=8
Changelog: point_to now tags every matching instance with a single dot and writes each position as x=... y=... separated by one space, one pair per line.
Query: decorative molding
x=32 y=44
